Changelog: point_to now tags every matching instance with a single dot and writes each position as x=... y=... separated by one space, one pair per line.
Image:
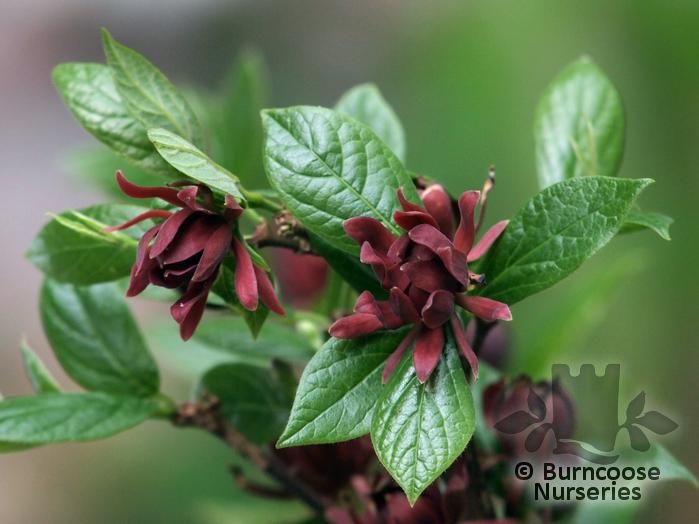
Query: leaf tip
x=107 y=37
x=283 y=442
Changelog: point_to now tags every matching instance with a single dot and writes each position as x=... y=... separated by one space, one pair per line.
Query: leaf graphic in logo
x=639 y=441
x=516 y=422
x=657 y=423
x=635 y=407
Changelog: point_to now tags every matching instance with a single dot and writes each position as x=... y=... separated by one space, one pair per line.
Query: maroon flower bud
x=495 y=346
x=329 y=468
x=186 y=251
x=522 y=415
x=426 y=273
x=301 y=277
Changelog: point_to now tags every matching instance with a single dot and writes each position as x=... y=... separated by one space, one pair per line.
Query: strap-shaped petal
x=430 y=276
x=394 y=358
x=355 y=325
x=169 y=230
x=266 y=290
x=465 y=233
x=245 y=278
x=217 y=246
x=428 y=349
x=464 y=347
x=484 y=308
x=134 y=191
x=487 y=240
x=438 y=309
x=190 y=240
x=438 y=204
x=403 y=306
x=454 y=261
x=367 y=229
x=188 y=310
x=151 y=213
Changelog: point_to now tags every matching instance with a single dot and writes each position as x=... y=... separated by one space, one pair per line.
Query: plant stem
x=260 y=201
x=476 y=491
x=206 y=415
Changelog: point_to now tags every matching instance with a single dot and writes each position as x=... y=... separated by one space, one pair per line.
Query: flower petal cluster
x=426 y=273
x=186 y=249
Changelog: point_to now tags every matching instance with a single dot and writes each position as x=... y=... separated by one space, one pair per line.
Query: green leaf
x=253 y=400
x=366 y=104
x=41 y=379
x=328 y=167
x=579 y=125
x=418 y=430
x=625 y=512
x=59 y=417
x=147 y=94
x=339 y=389
x=189 y=160
x=96 y=166
x=13 y=447
x=237 y=119
x=96 y=339
x=74 y=247
x=555 y=232
x=89 y=92
x=637 y=220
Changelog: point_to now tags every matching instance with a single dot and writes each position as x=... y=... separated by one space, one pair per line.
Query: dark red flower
x=426 y=273
x=187 y=248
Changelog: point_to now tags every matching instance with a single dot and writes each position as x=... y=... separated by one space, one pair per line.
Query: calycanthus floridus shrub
x=365 y=388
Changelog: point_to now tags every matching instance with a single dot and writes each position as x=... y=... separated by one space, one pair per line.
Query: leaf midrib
x=513 y=265
x=117 y=55
x=348 y=392
x=385 y=220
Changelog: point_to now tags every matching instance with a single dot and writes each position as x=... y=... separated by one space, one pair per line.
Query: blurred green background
x=465 y=78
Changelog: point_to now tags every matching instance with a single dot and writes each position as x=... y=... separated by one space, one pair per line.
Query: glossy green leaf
x=41 y=379
x=96 y=339
x=366 y=104
x=253 y=400
x=89 y=92
x=555 y=232
x=579 y=126
x=638 y=220
x=189 y=160
x=73 y=247
x=328 y=167
x=339 y=389
x=237 y=119
x=59 y=417
x=147 y=94
x=418 y=430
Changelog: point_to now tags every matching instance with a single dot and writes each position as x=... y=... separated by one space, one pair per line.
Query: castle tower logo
x=593 y=402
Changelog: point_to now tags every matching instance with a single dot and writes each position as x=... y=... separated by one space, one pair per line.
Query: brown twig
x=286 y=232
x=206 y=415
